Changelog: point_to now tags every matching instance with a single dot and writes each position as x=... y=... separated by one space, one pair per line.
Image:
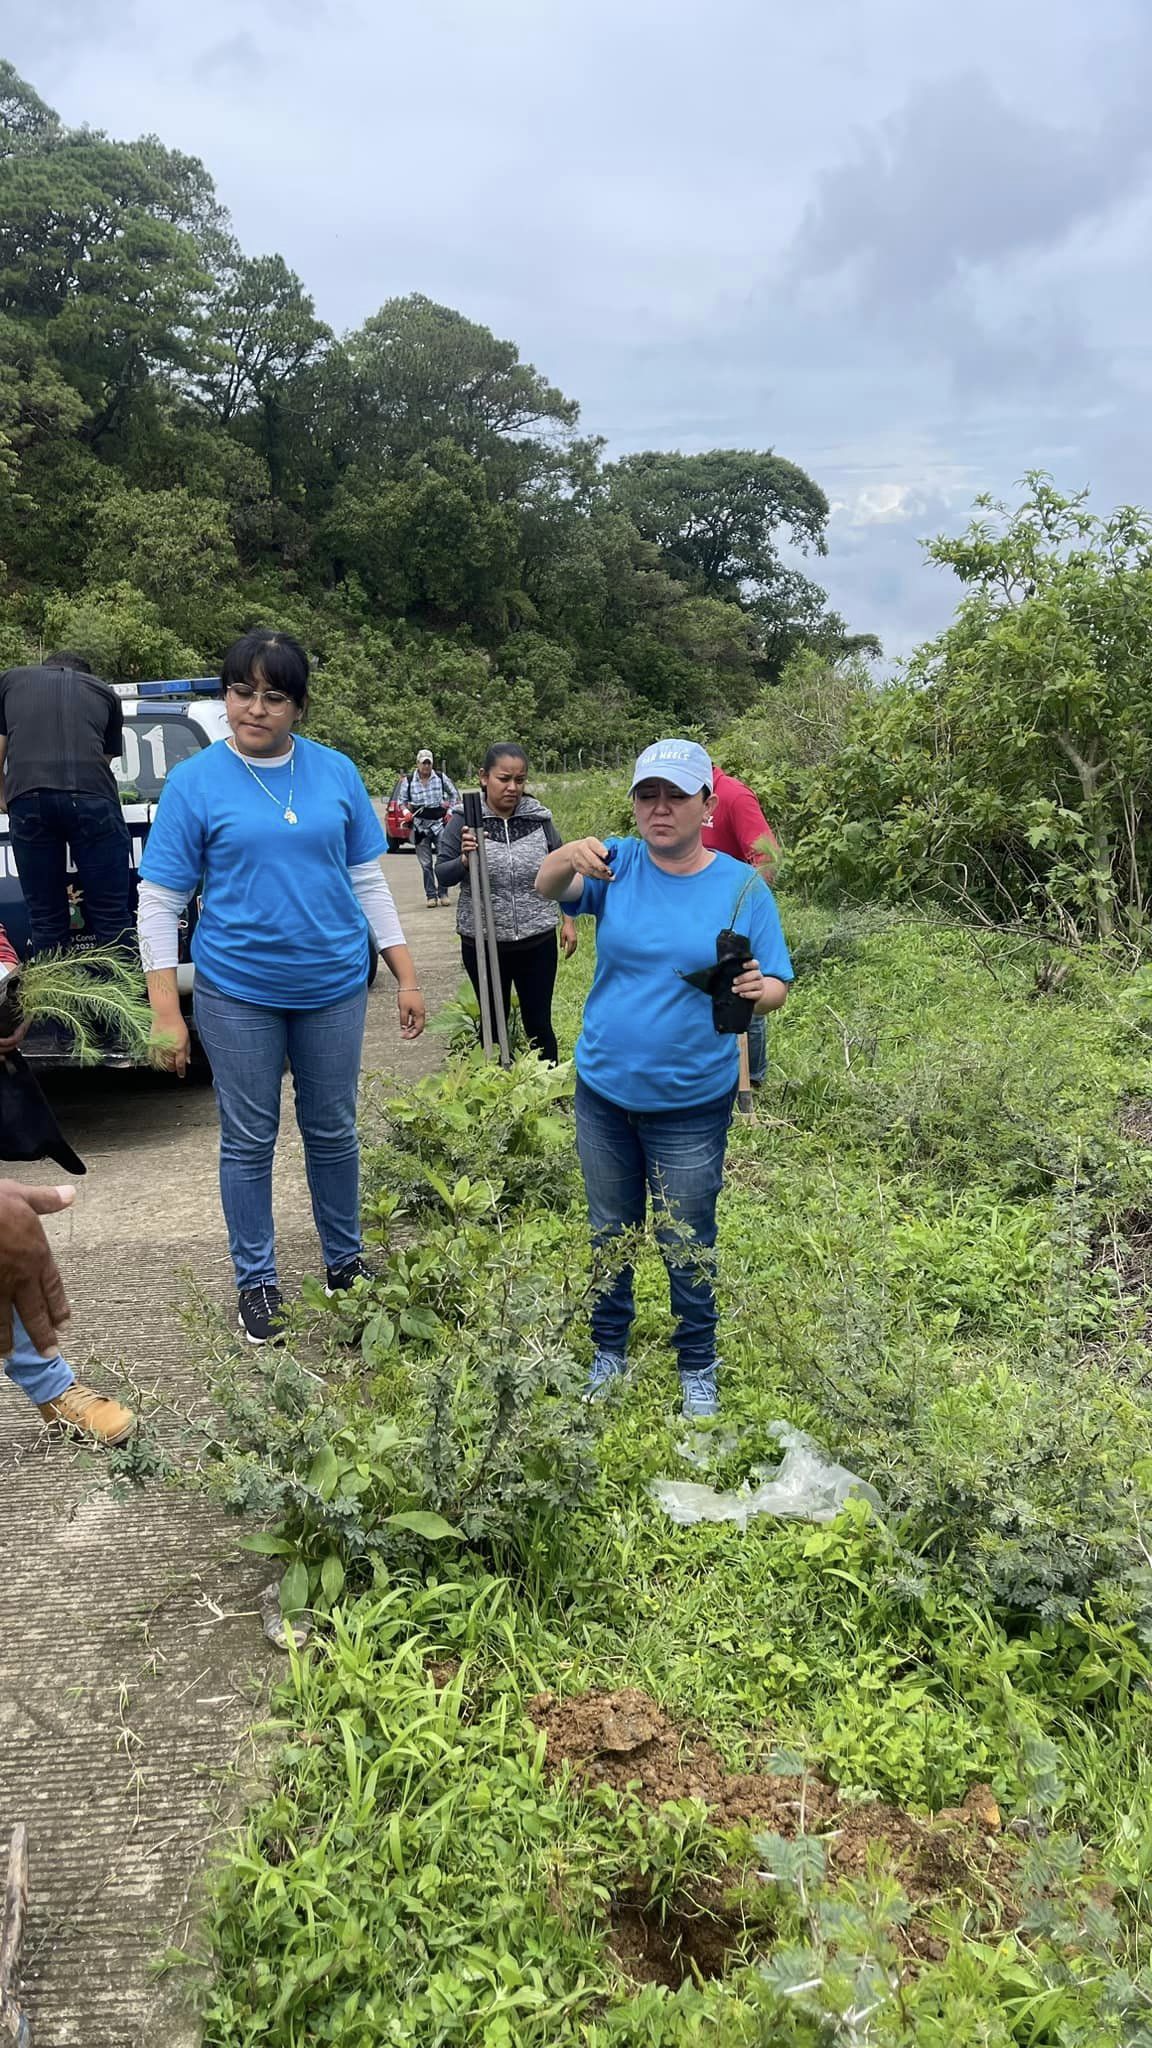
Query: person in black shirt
x=60 y=730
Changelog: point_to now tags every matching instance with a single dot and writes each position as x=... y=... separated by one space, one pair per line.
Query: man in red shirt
x=738 y=826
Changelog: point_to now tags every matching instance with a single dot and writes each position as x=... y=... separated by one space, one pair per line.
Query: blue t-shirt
x=648 y=1040
x=279 y=923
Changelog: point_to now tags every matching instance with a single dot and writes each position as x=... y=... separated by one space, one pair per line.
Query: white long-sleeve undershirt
x=160 y=910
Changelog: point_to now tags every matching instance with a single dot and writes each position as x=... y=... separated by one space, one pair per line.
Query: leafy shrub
x=123 y=632
x=496 y=1126
x=588 y=805
x=1008 y=770
x=473 y=1432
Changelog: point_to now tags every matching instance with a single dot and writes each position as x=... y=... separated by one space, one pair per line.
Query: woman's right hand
x=589 y=857
x=467 y=841
x=169 y=1044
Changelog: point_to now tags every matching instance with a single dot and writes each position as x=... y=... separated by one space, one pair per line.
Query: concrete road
x=131 y=1653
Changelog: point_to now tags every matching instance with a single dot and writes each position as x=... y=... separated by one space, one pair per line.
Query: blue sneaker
x=606 y=1367
x=701 y=1399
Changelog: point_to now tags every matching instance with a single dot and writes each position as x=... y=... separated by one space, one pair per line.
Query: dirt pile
x=623 y=1739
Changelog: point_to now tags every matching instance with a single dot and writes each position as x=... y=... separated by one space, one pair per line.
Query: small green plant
x=355 y=1495
x=459 y=1023
x=846 y=1968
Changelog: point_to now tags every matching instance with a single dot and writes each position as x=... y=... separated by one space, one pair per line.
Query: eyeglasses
x=274 y=699
x=651 y=792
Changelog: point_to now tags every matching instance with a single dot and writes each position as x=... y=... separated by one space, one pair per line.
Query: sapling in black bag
x=731 y=1014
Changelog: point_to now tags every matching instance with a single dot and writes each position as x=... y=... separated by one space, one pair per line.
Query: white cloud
x=620 y=190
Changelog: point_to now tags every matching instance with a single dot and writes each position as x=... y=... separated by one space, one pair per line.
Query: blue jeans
x=758 y=1051
x=42 y=826
x=247 y=1046
x=677 y=1156
x=427 y=853
x=42 y=1379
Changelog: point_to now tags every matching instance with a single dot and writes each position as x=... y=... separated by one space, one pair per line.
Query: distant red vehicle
x=399 y=821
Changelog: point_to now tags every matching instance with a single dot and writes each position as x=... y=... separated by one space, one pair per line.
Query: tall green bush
x=1009 y=769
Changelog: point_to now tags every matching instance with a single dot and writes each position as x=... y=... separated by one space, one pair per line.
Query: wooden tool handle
x=744 y=1091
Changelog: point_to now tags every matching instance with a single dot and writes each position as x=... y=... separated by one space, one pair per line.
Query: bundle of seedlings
x=94 y=1002
x=94 y=999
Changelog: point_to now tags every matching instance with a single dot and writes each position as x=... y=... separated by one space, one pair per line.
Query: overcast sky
x=905 y=245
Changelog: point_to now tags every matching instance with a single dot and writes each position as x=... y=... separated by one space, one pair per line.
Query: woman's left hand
x=17 y=1039
x=413 y=1018
x=750 y=983
x=568 y=938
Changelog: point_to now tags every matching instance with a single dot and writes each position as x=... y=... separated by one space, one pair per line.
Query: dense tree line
x=187 y=450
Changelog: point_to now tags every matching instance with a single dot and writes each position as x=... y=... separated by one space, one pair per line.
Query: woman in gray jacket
x=518 y=832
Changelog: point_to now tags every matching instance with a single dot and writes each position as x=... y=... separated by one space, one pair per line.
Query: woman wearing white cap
x=655 y=1079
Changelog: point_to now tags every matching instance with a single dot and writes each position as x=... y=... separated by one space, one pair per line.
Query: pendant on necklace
x=290 y=816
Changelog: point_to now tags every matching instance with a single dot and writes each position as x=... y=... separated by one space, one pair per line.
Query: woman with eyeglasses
x=656 y=1079
x=279 y=835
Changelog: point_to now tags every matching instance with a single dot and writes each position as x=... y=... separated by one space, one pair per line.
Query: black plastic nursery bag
x=28 y=1129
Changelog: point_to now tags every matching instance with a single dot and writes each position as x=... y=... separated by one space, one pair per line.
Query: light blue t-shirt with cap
x=648 y=1041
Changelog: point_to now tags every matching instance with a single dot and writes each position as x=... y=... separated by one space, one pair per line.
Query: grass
x=922 y=1262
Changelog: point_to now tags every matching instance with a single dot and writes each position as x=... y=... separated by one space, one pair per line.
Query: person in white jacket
x=279 y=836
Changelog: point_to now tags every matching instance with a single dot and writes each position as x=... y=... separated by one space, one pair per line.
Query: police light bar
x=184 y=686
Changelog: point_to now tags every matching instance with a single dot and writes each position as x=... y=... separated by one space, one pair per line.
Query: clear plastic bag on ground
x=805 y=1485
x=281 y=1631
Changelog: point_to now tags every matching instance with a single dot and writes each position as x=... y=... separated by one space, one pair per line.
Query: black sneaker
x=260 y=1315
x=342 y=1278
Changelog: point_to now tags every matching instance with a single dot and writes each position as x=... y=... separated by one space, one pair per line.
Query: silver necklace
x=288 y=813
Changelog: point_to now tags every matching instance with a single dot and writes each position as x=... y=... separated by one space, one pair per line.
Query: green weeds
x=913 y=1268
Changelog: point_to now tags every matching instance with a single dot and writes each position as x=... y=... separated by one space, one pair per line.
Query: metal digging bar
x=483 y=918
x=14 y=2025
x=474 y=821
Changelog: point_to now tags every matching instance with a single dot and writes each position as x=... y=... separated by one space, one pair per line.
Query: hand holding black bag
x=28 y=1129
x=731 y=1014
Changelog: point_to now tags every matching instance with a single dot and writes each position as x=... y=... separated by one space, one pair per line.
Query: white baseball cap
x=425 y=754
x=681 y=762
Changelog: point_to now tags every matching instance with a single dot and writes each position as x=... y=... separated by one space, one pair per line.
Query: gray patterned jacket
x=516 y=847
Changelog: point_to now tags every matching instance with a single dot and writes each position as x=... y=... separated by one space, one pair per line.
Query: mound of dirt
x=623 y=1739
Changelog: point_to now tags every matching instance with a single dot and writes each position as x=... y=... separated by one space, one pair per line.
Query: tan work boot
x=87 y=1413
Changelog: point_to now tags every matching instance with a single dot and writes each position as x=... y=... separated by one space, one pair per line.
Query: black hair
x=498 y=752
x=276 y=658
x=66 y=659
